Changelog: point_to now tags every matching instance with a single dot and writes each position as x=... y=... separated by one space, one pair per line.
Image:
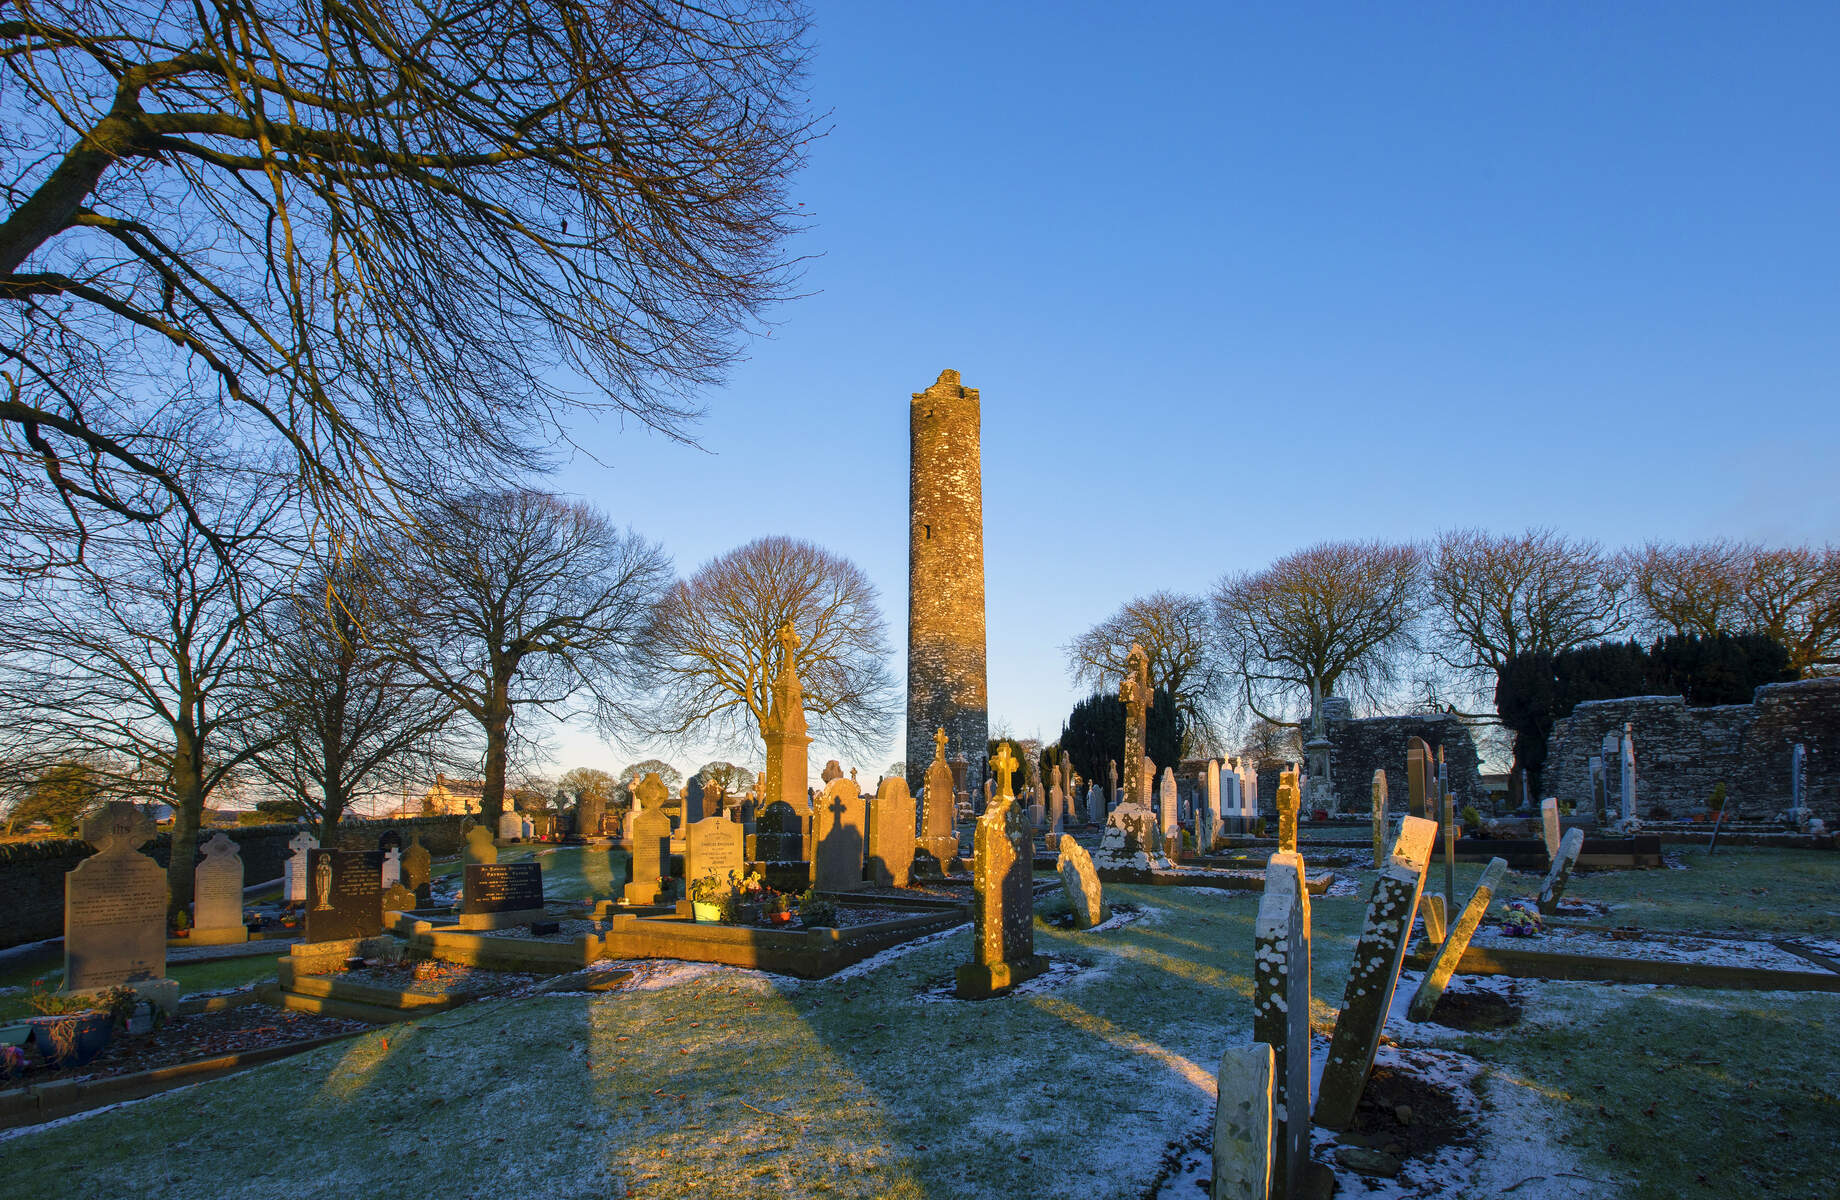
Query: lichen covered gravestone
x=1243 y=1125
x=1554 y=886
x=1455 y=942
x=217 y=894
x=1379 y=800
x=1281 y=1011
x=1374 y=973
x=1003 y=907
x=114 y=905
x=1289 y=800
x=1081 y=883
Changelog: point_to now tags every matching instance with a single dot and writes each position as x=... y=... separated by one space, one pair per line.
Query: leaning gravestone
x=1081 y=884
x=1561 y=871
x=1243 y=1125
x=1549 y=825
x=344 y=895
x=891 y=834
x=497 y=895
x=217 y=894
x=1281 y=1012
x=1456 y=941
x=294 y=876
x=114 y=905
x=1379 y=801
x=1374 y=973
x=713 y=849
x=1003 y=904
x=840 y=831
x=417 y=866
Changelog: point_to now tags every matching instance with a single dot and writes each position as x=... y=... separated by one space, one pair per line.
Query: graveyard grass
x=715 y=1082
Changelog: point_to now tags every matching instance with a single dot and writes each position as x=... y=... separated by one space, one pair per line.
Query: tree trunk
x=492 y=797
x=188 y=811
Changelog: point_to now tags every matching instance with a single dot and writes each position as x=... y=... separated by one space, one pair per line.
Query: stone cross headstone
x=713 y=848
x=1288 y=803
x=1374 y=973
x=891 y=834
x=114 y=904
x=1561 y=870
x=479 y=846
x=217 y=894
x=939 y=816
x=1379 y=802
x=1456 y=941
x=1549 y=824
x=392 y=868
x=294 y=878
x=1243 y=1125
x=417 y=867
x=344 y=895
x=651 y=850
x=1281 y=1011
x=1003 y=906
x=840 y=831
x=1628 y=794
x=1081 y=884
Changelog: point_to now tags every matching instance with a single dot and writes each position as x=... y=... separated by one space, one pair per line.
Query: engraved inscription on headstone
x=114 y=905
x=502 y=887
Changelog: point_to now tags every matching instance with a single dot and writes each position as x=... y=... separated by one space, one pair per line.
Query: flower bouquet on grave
x=776 y=908
x=815 y=911
x=708 y=895
x=746 y=899
x=69 y=1030
x=1521 y=920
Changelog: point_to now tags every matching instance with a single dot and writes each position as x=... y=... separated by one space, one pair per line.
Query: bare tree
x=367 y=235
x=345 y=714
x=1334 y=614
x=715 y=651
x=1791 y=593
x=1494 y=597
x=145 y=667
x=1177 y=632
x=518 y=601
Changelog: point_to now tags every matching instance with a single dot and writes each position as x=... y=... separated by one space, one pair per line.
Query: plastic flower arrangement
x=1521 y=920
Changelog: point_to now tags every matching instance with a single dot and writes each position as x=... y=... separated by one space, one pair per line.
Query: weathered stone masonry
x=945 y=577
x=1681 y=752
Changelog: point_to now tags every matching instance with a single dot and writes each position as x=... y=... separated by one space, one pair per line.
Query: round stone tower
x=945 y=582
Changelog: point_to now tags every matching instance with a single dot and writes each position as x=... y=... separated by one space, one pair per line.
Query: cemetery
x=1383 y=744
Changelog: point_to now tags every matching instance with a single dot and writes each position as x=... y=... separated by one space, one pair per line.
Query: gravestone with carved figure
x=1003 y=907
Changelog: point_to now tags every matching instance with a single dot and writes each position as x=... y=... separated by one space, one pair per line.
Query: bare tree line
x=1432 y=624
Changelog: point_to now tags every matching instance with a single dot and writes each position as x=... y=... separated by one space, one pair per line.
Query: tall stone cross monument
x=1134 y=693
x=784 y=730
x=1003 y=884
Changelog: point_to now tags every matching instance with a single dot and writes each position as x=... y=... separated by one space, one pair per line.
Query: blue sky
x=1235 y=279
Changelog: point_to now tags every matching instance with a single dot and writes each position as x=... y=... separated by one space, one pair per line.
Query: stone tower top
x=947 y=386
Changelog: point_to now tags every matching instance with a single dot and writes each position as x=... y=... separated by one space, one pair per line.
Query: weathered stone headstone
x=1167 y=805
x=1628 y=784
x=510 y=826
x=1003 y=907
x=777 y=836
x=344 y=895
x=1561 y=870
x=651 y=855
x=693 y=801
x=1599 y=796
x=1374 y=973
x=217 y=894
x=397 y=898
x=417 y=867
x=1135 y=694
x=1281 y=1011
x=1431 y=911
x=1549 y=825
x=294 y=874
x=1243 y=1125
x=479 y=846
x=1081 y=883
x=840 y=831
x=1379 y=801
x=392 y=867
x=713 y=848
x=1419 y=775
x=1211 y=810
x=114 y=904
x=1455 y=942
x=1798 y=785
x=891 y=834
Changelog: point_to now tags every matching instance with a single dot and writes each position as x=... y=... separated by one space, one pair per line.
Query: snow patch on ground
x=1060 y=973
x=1724 y=952
x=1346 y=884
x=1117 y=920
x=883 y=957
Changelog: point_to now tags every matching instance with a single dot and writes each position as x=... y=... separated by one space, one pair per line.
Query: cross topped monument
x=1134 y=693
x=1005 y=766
x=939 y=742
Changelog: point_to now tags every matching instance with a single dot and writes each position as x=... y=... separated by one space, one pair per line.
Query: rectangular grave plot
x=502 y=887
x=344 y=894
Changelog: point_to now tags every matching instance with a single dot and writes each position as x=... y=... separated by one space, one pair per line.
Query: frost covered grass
x=1769 y=892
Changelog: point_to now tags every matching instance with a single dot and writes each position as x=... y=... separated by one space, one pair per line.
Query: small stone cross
x=939 y=741
x=1005 y=765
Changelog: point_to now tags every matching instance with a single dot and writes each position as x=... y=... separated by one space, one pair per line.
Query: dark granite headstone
x=502 y=887
x=344 y=895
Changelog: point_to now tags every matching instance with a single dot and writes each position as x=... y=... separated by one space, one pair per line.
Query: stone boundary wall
x=32 y=873
x=1379 y=743
x=1681 y=752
